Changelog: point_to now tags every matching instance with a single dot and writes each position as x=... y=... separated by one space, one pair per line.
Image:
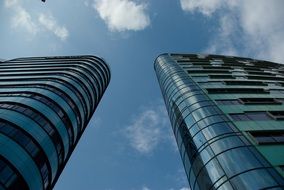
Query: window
x=278 y=115
x=280 y=99
x=240 y=77
x=273 y=84
x=28 y=144
x=281 y=167
x=260 y=73
x=202 y=56
x=249 y=64
x=192 y=67
x=200 y=78
x=212 y=67
x=251 y=116
x=258 y=116
x=182 y=60
x=207 y=71
x=253 y=101
x=239 y=117
x=265 y=78
x=244 y=61
x=227 y=102
x=216 y=62
x=268 y=137
x=238 y=73
x=43 y=122
x=236 y=91
x=186 y=64
x=221 y=76
x=9 y=178
x=211 y=83
x=245 y=82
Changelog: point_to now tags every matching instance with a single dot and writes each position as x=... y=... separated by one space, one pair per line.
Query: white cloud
x=23 y=19
x=10 y=3
x=49 y=22
x=248 y=28
x=122 y=15
x=86 y=3
x=185 y=188
x=206 y=7
x=148 y=129
x=145 y=188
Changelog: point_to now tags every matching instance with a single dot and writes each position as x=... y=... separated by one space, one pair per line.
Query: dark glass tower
x=45 y=105
x=227 y=115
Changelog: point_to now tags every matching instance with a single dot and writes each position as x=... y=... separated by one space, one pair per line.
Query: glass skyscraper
x=227 y=114
x=45 y=105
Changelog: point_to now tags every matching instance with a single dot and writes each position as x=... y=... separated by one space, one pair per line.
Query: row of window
x=258 y=116
x=9 y=178
x=59 y=92
x=57 y=109
x=250 y=101
x=227 y=65
x=43 y=122
x=67 y=81
x=195 y=69
x=243 y=91
x=236 y=75
x=30 y=146
x=93 y=63
x=237 y=91
x=251 y=116
x=67 y=97
x=236 y=82
x=268 y=137
x=215 y=59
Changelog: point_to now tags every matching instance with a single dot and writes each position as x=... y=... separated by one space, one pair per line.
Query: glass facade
x=227 y=117
x=45 y=105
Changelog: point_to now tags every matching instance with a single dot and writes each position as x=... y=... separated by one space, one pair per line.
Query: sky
x=129 y=143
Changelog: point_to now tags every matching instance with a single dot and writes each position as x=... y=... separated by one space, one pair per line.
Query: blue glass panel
x=37 y=132
x=251 y=180
x=49 y=113
x=231 y=160
x=22 y=161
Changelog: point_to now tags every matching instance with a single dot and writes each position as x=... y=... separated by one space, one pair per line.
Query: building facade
x=45 y=105
x=227 y=115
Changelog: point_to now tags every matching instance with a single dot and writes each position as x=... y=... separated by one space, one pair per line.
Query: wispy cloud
x=185 y=188
x=49 y=22
x=87 y=3
x=148 y=129
x=122 y=15
x=207 y=7
x=23 y=19
x=145 y=188
x=10 y=3
x=244 y=29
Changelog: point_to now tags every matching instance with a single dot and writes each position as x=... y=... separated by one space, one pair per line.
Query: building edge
x=173 y=80
x=103 y=73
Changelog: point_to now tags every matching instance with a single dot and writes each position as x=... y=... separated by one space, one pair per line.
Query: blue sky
x=129 y=144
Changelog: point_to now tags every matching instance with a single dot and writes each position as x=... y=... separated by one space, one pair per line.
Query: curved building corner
x=45 y=105
x=223 y=111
